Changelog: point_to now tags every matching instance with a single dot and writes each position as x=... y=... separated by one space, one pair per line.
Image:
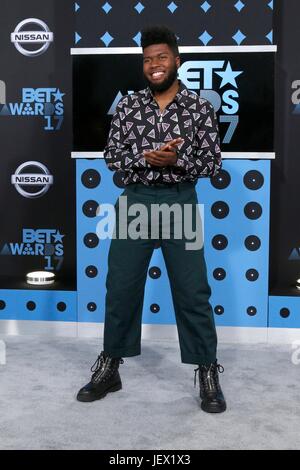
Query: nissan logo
x=22 y=36
x=40 y=181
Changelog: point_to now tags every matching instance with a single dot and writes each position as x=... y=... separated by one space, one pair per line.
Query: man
x=163 y=138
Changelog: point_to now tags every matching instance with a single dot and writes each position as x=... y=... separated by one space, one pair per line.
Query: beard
x=165 y=85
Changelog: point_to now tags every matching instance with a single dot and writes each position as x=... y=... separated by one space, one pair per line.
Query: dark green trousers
x=128 y=263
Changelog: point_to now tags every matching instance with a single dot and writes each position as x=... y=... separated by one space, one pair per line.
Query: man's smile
x=157 y=75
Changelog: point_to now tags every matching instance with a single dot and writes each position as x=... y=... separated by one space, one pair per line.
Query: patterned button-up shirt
x=138 y=125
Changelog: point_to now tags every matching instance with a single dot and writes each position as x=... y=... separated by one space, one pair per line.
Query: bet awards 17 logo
x=31 y=37
x=45 y=102
x=47 y=243
x=199 y=75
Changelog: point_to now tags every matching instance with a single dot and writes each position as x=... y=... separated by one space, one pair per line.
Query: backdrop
x=49 y=199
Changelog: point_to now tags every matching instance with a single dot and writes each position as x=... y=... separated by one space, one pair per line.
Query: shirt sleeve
x=119 y=153
x=204 y=158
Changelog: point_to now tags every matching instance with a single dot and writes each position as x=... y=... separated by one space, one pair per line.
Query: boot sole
x=83 y=398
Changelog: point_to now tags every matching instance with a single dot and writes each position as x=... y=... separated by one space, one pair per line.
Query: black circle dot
x=219 y=242
x=155 y=272
x=219 y=274
x=220 y=209
x=253 y=179
x=118 y=179
x=91 y=240
x=2 y=305
x=90 y=178
x=154 y=308
x=252 y=274
x=284 y=312
x=91 y=306
x=61 y=306
x=91 y=271
x=253 y=210
x=252 y=243
x=89 y=208
x=221 y=180
x=219 y=310
x=251 y=311
x=30 y=305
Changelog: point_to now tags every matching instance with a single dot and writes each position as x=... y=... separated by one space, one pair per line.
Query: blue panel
x=92 y=290
x=284 y=312
x=45 y=305
x=235 y=293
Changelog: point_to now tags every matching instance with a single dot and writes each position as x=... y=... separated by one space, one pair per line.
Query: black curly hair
x=159 y=35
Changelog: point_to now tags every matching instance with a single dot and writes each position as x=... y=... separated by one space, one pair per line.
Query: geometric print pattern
x=138 y=124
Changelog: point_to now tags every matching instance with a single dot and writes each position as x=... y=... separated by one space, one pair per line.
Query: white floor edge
x=226 y=334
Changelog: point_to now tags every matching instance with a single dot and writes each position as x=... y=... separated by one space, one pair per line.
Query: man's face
x=160 y=67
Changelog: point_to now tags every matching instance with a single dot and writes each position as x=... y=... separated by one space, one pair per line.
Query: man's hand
x=166 y=155
x=172 y=144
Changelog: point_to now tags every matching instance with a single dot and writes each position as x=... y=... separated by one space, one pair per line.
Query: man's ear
x=177 y=61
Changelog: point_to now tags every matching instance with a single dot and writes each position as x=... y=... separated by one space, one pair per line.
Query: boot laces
x=98 y=363
x=103 y=368
x=208 y=376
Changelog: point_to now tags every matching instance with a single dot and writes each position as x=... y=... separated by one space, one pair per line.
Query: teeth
x=157 y=74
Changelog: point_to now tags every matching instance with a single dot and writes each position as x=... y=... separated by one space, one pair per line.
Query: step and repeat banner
x=64 y=67
x=37 y=176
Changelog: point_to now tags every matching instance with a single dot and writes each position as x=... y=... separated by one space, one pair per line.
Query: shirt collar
x=178 y=98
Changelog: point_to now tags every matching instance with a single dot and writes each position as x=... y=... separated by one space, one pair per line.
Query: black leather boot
x=105 y=379
x=211 y=394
